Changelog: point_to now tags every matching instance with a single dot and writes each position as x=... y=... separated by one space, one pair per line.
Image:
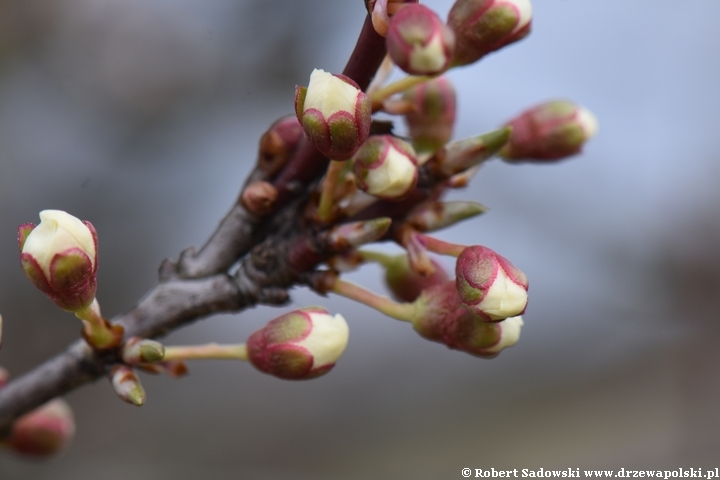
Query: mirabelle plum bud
x=489 y=285
x=419 y=42
x=334 y=113
x=433 y=117
x=278 y=143
x=43 y=431
x=548 y=132
x=382 y=10
x=299 y=345
x=483 y=26
x=385 y=167
x=441 y=317
x=59 y=256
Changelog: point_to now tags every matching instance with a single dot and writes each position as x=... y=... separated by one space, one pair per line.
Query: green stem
x=207 y=352
x=378 y=257
x=383 y=93
x=440 y=246
x=398 y=311
x=327 y=195
x=98 y=332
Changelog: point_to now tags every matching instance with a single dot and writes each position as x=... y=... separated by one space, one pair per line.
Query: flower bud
x=419 y=42
x=432 y=121
x=299 y=345
x=334 y=113
x=381 y=11
x=483 y=26
x=550 y=131
x=278 y=143
x=127 y=385
x=441 y=317
x=138 y=350
x=43 y=431
x=489 y=285
x=59 y=256
x=385 y=167
x=406 y=285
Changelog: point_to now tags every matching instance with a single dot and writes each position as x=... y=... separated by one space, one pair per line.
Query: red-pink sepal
x=299 y=345
x=432 y=120
x=72 y=283
x=442 y=318
x=549 y=132
x=419 y=42
x=489 y=285
x=43 y=431
x=483 y=26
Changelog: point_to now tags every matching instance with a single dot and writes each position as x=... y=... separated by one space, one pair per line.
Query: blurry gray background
x=143 y=117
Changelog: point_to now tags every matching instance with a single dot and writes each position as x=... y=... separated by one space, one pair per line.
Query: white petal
x=504 y=298
x=327 y=340
x=329 y=94
x=58 y=231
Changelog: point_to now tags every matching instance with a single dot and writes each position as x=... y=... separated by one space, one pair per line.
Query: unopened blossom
x=483 y=26
x=386 y=167
x=334 y=113
x=381 y=11
x=44 y=431
x=419 y=42
x=299 y=345
x=489 y=285
x=440 y=316
x=550 y=131
x=59 y=256
x=432 y=119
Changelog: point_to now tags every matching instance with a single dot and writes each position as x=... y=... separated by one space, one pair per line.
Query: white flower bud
x=60 y=257
x=299 y=345
x=385 y=167
x=334 y=113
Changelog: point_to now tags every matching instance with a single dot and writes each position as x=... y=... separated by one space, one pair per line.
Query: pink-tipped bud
x=43 y=431
x=548 y=132
x=385 y=167
x=483 y=26
x=334 y=113
x=381 y=11
x=406 y=285
x=278 y=143
x=433 y=117
x=441 y=317
x=489 y=285
x=59 y=256
x=419 y=42
x=299 y=345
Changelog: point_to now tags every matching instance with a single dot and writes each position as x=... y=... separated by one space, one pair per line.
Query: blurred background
x=143 y=117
